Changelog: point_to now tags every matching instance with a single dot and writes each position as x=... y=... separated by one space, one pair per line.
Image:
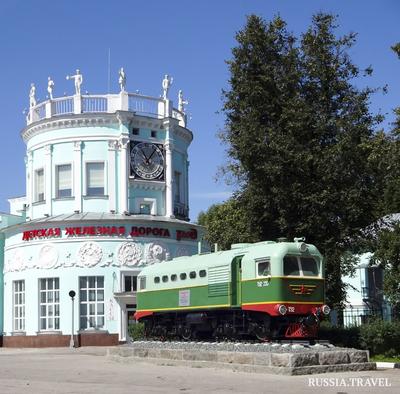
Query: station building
x=106 y=195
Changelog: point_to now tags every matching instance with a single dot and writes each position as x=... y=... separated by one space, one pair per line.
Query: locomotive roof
x=249 y=251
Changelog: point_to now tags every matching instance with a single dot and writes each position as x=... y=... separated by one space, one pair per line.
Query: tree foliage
x=300 y=141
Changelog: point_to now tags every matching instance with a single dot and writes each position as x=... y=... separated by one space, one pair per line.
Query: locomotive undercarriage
x=229 y=325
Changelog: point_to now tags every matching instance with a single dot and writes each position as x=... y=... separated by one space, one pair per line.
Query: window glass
x=39 y=185
x=177 y=176
x=19 y=305
x=145 y=209
x=153 y=134
x=192 y=274
x=142 y=283
x=135 y=131
x=173 y=277
x=63 y=181
x=95 y=179
x=49 y=305
x=156 y=279
x=264 y=268
x=202 y=273
x=130 y=283
x=309 y=266
x=182 y=276
x=165 y=278
x=91 y=302
x=291 y=266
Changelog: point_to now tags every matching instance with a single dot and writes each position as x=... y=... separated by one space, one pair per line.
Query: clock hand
x=144 y=154
x=154 y=151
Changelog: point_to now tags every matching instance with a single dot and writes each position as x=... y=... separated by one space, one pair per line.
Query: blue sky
x=188 y=39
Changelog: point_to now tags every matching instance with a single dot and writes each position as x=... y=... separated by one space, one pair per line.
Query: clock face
x=147 y=161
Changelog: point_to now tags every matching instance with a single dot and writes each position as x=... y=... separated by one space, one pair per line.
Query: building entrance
x=130 y=311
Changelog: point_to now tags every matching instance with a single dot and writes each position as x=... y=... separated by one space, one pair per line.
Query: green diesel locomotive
x=265 y=290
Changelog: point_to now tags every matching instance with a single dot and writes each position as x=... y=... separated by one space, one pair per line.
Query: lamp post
x=71 y=341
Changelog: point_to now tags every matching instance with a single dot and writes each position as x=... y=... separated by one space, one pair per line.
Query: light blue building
x=106 y=194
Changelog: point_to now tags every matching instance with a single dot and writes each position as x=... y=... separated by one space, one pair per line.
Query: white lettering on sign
x=263 y=283
x=184 y=298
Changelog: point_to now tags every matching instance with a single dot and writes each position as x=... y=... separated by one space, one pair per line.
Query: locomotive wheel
x=187 y=333
x=262 y=334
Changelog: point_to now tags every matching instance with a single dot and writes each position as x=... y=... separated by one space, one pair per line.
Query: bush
x=136 y=331
x=340 y=336
x=381 y=337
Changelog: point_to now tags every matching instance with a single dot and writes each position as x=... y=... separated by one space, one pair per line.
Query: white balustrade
x=142 y=105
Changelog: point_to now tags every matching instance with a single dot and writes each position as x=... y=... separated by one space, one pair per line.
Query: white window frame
x=105 y=177
x=89 y=317
x=51 y=304
x=260 y=261
x=145 y=200
x=131 y=274
x=35 y=185
x=56 y=179
x=18 y=306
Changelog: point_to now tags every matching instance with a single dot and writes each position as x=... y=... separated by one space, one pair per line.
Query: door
x=236 y=281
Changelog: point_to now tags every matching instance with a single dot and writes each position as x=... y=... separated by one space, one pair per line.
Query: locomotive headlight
x=282 y=309
x=325 y=309
x=303 y=247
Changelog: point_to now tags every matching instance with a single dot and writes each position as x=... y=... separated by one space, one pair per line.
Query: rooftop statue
x=32 y=93
x=50 y=87
x=78 y=79
x=122 y=79
x=166 y=84
x=181 y=102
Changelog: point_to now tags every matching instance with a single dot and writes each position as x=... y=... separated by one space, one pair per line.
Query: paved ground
x=88 y=371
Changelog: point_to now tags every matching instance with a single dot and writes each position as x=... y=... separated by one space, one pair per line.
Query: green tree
x=300 y=138
x=226 y=224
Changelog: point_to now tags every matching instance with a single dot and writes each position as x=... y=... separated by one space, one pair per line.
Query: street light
x=71 y=341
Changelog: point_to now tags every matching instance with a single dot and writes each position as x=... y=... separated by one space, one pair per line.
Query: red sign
x=111 y=231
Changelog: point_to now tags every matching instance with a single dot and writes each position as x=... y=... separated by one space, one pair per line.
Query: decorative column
x=187 y=184
x=29 y=179
x=124 y=177
x=78 y=175
x=112 y=193
x=169 y=123
x=48 y=178
x=169 y=209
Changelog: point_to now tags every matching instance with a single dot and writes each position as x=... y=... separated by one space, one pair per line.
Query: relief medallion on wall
x=15 y=261
x=129 y=254
x=48 y=256
x=89 y=254
x=156 y=252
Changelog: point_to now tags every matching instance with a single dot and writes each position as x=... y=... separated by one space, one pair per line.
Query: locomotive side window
x=291 y=266
x=202 y=273
x=309 y=266
x=156 y=279
x=182 y=276
x=173 y=277
x=264 y=268
x=192 y=274
x=142 y=283
x=165 y=278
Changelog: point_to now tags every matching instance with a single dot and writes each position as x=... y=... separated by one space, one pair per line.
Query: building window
x=135 y=131
x=95 y=179
x=49 y=296
x=39 y=185
x=145 y=209
x=177 y=186
x=91 y=292
x=153 y=134
x=63 y=181
x=130 y=283
x=19 y=305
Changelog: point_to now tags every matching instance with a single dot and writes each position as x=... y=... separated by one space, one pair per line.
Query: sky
x=190 y=40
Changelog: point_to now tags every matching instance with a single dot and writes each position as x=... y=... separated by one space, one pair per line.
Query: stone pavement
x=88 y=370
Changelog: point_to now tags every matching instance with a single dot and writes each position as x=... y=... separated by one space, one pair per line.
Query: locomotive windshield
x=300 y=266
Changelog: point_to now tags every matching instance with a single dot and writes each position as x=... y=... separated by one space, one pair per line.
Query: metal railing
x=348 y=317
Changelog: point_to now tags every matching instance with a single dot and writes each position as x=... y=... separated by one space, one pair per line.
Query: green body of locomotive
x=267 y=289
